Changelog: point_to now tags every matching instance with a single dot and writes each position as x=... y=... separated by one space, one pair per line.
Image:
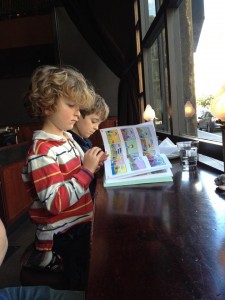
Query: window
x=156 y=77
x=169 y=40
x=139 y=55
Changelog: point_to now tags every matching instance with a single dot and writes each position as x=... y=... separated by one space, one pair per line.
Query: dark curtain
x=108 y=27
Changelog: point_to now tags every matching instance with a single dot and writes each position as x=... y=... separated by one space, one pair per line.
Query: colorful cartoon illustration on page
x=144 y=132
x=113 y=136
x=146 y=141
x=136 y=162
x=115 y=151
x=156 y=160
x=131 y=147
x=118 y=167
x=128 y=134
x=147 y=147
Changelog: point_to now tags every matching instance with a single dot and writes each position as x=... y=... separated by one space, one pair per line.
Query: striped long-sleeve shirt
x=58 y=184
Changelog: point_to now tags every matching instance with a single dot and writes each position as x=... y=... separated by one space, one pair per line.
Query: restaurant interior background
x=179 y=57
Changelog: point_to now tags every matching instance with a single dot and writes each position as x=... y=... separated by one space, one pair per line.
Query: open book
x=134 y=156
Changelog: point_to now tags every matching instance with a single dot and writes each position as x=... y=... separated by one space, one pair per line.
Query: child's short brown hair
x=100 y=108
x=49 y=83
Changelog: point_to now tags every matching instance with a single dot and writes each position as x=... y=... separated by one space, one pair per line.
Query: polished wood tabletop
x=159 y=241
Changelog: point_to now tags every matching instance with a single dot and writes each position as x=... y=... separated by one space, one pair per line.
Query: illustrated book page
x=133 y=150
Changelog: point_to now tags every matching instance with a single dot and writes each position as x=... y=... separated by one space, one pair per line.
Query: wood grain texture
x=14 y=197
x=159 y=241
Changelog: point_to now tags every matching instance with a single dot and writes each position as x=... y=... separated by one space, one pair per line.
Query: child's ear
x=47 y=112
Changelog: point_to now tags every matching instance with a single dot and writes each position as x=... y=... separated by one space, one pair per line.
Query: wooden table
x=159 y=241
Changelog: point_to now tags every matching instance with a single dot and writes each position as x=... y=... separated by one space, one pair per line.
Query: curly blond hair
x=49 y=83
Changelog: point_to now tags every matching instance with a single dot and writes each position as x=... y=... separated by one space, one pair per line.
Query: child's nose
x=77 y=113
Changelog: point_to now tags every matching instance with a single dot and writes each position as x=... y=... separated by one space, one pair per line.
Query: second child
x=87 y=124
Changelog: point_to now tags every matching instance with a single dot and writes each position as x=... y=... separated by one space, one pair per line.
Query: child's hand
x=100 y=164
x=98 y=168
x=103 y=158
x=92 y=158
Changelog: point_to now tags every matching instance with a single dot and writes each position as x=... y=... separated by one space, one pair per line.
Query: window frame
x=167 y=18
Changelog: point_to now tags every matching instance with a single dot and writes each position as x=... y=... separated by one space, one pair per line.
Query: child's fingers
x=95 y=152
x=104 y=156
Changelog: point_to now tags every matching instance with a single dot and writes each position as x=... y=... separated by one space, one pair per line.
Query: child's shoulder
x=45 y=146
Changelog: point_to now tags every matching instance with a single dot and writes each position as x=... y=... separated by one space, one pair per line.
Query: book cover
x=158 y=176
x=133 y=150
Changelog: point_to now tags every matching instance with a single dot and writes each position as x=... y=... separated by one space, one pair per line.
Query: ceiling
x=22 y=8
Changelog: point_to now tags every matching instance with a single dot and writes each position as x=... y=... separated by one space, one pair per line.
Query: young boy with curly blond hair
x=57 y=173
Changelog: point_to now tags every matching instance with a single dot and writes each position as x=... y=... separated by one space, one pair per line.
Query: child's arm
x=3 y=242
x=57 y=189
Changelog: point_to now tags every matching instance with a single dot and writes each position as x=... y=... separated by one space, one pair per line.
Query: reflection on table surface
x=159 y=241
